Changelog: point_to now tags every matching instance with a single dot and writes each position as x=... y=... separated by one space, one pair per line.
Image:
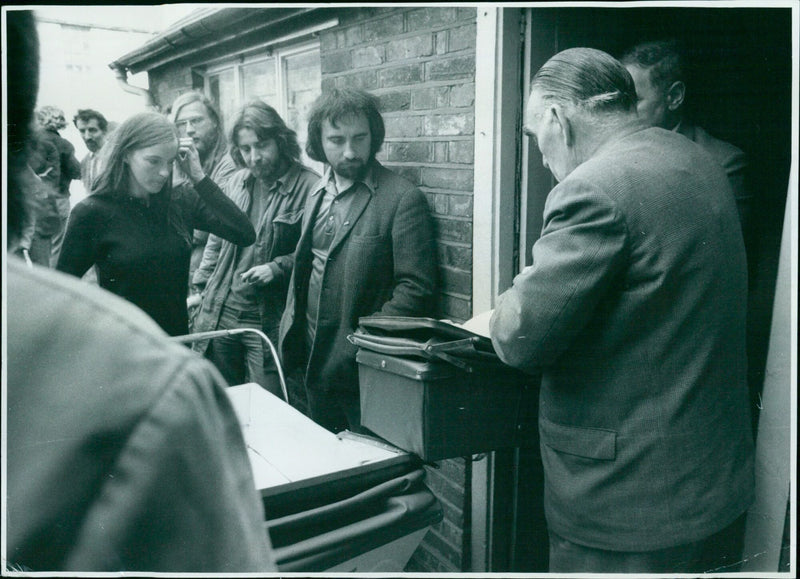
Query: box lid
x=414 y=369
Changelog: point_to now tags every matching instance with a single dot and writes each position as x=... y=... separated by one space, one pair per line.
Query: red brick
x=454 y=230
x=404 y=126
x=367 y=56
x=335 y=62
x=461 y=151
x=462 y=38
x=452 y=179
x=411 y=47
x=440 y=152
x=400 y=75
x=419 y=151
x=452 y=68
x=429 y=98
x=449 y=124
x=424 y=18
x=395 y=101
x=384 y=28
x=458 y=309
x=365 y=79
x=460 y=205
x=456 y=280
x=462 y=95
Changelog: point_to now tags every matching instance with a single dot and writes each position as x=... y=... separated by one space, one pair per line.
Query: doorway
x=739 y=83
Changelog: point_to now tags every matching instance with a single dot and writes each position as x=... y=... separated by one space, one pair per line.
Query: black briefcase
x=440 y=391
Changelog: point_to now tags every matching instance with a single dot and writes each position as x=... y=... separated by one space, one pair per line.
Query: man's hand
x=193 y=301
x=258 y=275
x=189 y=160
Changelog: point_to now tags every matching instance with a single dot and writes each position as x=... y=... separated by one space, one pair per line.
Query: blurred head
x=137 y=160
x=345 y=130
x=578 y=99
x=22 y=46
x=195 y=116
x=92 y=126
x=261 y=141
x=51 y=118
x=658 y=71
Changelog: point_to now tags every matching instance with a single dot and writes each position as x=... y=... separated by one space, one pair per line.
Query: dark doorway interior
x=739 y=90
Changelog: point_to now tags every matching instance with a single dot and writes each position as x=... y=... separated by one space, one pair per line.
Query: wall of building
x=420 y=62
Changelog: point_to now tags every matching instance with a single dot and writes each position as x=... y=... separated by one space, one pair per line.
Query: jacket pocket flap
x=288 y=217
x=596 y=443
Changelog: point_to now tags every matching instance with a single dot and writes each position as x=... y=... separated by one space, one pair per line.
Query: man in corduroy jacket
x=634 y=311
x=366 y=247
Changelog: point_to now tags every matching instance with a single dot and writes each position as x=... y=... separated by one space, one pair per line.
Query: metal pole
x=190 y=338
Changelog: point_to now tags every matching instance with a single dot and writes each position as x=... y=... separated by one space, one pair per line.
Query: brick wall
x=420 y=62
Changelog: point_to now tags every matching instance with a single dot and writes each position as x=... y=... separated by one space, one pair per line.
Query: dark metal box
x=439 y=411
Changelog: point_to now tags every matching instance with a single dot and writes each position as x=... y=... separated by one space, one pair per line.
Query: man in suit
x=658 y=72
x=366 y=247
x=93 y=127
x=634 y=311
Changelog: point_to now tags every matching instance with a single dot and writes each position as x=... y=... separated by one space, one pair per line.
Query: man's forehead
x=193 y=109
x=348 y=122
x=91 y=123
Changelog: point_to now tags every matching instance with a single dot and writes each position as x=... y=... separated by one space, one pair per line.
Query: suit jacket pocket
x=286 y=233
x=595 y=443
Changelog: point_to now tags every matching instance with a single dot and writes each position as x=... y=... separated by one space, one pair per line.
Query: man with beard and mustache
x=246 y=286
x=92 y=126
x=367 y=247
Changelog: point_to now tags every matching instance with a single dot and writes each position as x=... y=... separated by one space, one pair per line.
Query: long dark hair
x=340 y=104
x=267 y=124
x=137 y=132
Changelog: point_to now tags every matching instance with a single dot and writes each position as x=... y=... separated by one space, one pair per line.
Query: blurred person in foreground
x=51 y=120
x=123 y=451
x=246 y=287
x=634 y=312
x=137 y=228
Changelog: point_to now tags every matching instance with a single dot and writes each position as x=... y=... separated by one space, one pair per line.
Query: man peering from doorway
x=93 y=127
x=634 y=312
x=246 y=286
x=367 y=247
x=196 y=117
x=658 y=70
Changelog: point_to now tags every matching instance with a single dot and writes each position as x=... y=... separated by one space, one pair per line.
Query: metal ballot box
x=343 y=503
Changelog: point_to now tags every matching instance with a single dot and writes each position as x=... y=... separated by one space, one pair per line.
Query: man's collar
x=370 y=179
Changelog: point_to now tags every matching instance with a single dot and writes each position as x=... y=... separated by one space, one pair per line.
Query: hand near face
x=260 y=275
x=188 y=160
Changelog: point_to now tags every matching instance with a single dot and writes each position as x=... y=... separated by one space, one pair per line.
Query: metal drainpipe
x=122 y=79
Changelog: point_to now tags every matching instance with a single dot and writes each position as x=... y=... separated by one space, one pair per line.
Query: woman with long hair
x=137 y=228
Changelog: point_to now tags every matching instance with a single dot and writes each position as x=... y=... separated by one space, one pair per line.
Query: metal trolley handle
x=200 y=336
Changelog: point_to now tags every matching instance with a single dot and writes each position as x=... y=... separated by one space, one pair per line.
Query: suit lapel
x=360 y=202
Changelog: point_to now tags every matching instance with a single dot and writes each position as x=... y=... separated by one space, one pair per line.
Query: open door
x=739 y=90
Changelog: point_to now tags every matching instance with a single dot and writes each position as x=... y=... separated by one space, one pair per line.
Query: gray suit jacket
x=382 y=261
x=634 y=308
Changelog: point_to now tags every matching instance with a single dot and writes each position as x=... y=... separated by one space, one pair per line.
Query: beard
x=353 y=170
x=268 y=171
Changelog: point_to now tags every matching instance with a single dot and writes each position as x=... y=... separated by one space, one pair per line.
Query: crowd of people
x=640 y=273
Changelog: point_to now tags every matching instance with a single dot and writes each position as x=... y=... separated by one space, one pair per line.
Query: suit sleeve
x=415 y=262
x=79 y=251
x=181 y=497
x=575 y=262
x=208 y=262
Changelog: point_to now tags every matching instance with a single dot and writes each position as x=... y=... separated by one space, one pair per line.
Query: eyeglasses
x=193 y=121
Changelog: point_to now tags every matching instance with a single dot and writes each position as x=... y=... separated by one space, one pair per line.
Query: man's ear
x=564 y=124
x=675 y=94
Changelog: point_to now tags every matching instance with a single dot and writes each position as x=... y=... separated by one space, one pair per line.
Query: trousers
x=719 y=553
x=242 y=358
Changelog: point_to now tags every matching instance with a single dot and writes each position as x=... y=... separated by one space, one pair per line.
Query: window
x=288 y=79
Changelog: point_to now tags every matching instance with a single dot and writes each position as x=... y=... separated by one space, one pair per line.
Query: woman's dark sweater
x=141 y=254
